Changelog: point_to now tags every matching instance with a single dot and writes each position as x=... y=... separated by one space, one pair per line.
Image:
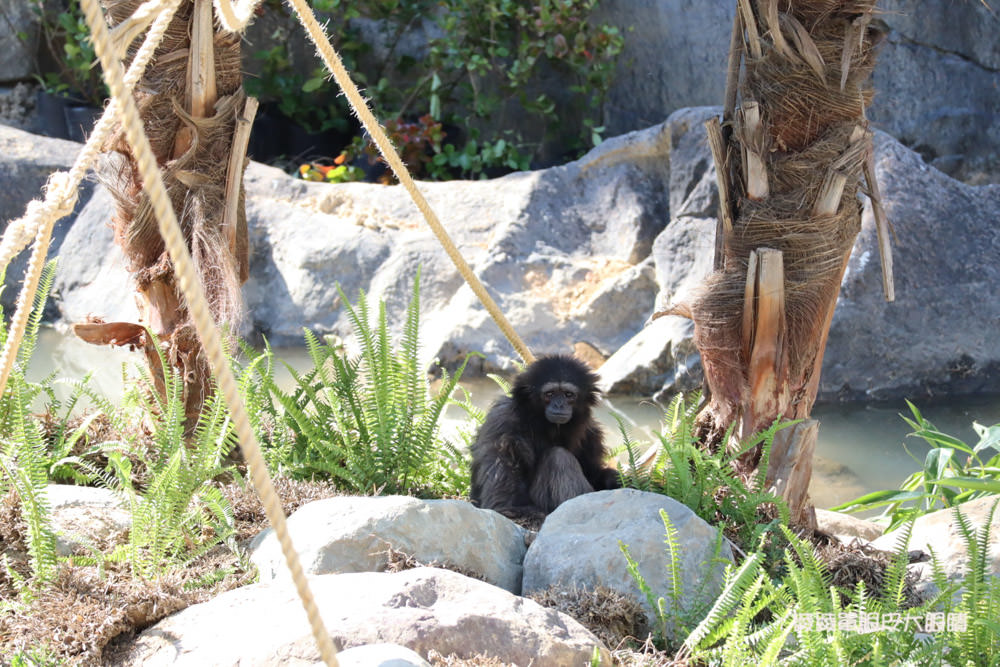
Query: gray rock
x=675 y=56
x=380 y=655
x=91 y=278
x=561 y=250
x=936 y=338
x=660 y=358
x=18 y=40
x=26 y=161
x=845 y=527
x=578 y=545
x=86 y=517
x=939 y=335
x=943 y=57
x=352 y=534
x=574 y=254
x=939 y=532
x=937 y=79
x=937 y=92
x=421 y=609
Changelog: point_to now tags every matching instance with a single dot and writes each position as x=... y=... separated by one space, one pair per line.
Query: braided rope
x=333 y=63
x=235 y=17
x=61 y=194
x=61 y=191
x=187 y=278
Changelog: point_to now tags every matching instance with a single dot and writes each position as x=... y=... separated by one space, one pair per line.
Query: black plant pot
x=305 y=146
x=51 y=108
x=80 y=121
x=267 y=137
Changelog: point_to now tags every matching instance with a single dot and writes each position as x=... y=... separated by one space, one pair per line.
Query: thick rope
x=194 y=294
x=336 y=67
x=61 y=191
x=235 y=18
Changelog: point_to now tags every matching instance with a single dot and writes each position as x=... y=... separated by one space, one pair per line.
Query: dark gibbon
x=540 y=446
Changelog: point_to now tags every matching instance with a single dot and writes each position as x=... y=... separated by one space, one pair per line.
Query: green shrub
x=67 y=40
x=952 y=473
x=704 y=481
x=800 y=618
x=24 y=459
x=371 y=422
x=475 y=98
x=177 y=511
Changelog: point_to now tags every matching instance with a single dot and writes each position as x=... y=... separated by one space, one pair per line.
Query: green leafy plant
x=167 y=480
x=762 y=620
x=481 y=76
x=67 y=39
x=478 y=158
x=951 y=473
x=494 y=53
x=371 y=422
x=298 y=96
x=706 y=481
x=24 y=460
x=675 y=614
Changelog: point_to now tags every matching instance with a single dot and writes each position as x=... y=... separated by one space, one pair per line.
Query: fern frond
x=736 y=584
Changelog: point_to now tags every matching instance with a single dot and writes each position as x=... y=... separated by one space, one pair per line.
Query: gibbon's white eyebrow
x=565 y=386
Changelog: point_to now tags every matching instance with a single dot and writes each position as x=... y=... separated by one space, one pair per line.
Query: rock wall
x=937 y=80
x=582 y=254
x=18 y=40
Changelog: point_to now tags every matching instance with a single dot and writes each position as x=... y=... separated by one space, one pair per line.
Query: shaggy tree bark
x=791 y=159
x=198 y=119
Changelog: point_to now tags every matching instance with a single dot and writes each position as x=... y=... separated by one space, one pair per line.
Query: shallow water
x=860 y=448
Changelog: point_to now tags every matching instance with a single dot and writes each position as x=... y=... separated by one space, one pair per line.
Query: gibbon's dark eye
x=571 y=395
x=548 y=395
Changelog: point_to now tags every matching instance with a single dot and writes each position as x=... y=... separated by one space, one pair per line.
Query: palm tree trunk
x=197 y=118
x=790 y=160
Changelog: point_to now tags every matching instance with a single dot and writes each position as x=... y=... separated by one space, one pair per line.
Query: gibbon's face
x=558 y=399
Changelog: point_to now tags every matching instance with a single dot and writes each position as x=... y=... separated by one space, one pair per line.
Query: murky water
x=860 y=449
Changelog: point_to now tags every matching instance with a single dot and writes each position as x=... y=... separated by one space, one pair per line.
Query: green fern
x=370 y=422
x=24 y=460
x=677 y=612
x=705 y=481
x=176 y=510
x=755 y=619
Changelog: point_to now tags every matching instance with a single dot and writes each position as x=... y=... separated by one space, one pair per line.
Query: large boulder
x=937 y=84
x=579 y=546
x=91 y=279
x=354 y=534
x=563 y=250
x=26 y=161
x=18 y=40
x=939 y=533
x=937 y=335
x=581 y=255
x=675 y=56
x=421 y=609
x=661 y=359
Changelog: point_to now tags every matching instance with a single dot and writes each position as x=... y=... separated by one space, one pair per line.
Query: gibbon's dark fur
x=540 y=446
